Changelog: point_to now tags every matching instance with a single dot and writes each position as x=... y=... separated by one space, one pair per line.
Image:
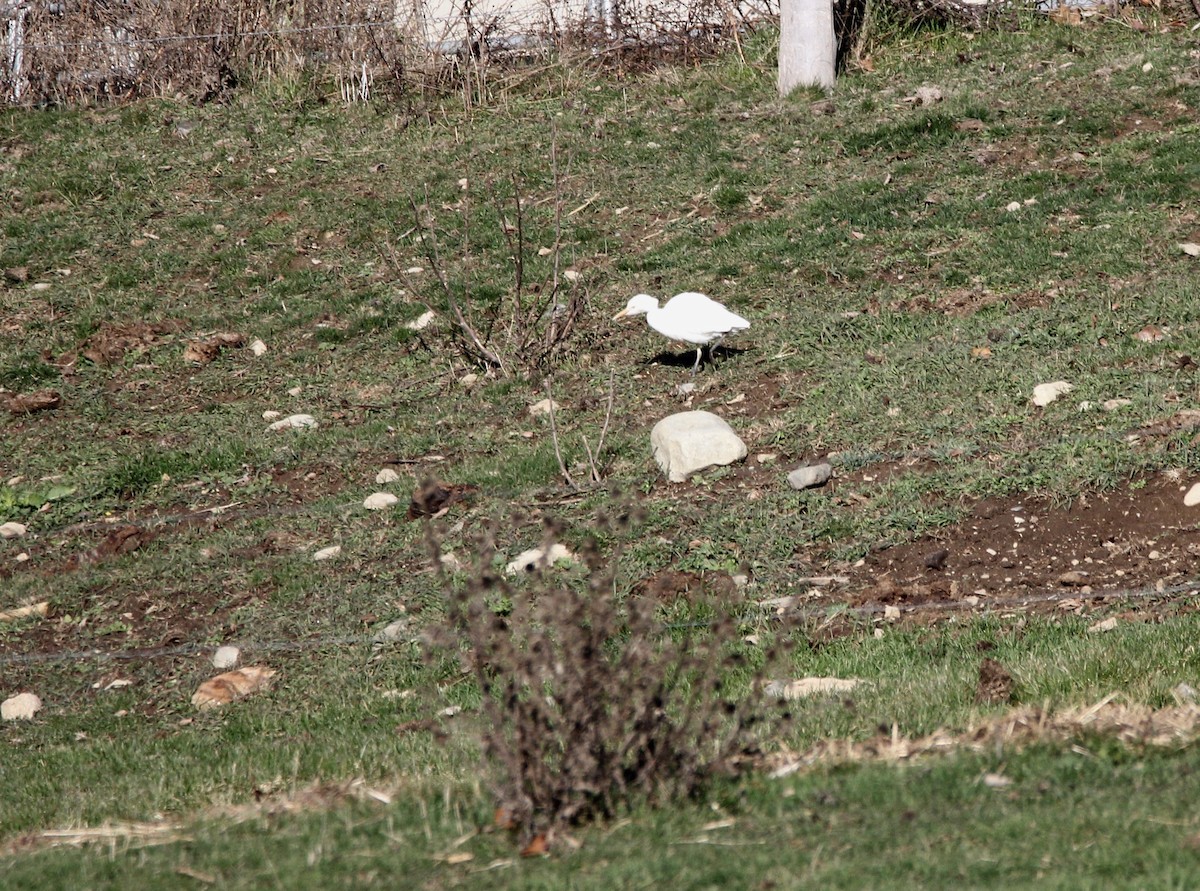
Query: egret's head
x=638 y=304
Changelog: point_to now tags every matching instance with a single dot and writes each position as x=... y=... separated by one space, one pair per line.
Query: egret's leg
x=696 y=367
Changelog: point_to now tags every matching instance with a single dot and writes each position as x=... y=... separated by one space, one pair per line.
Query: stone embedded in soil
x=538 y=558
x=12 y=530
x=385 y=476
x=1044 y=394
x=544 y=407
x=936 y=559
x=1073 y=579
x=258 y=347
x=21 y=707
x=802 y=687
x=810 y=477
x=690 y=441
x=379 y=501
x=327 y=553
x=226 y=657
x=294 y=422
x=1192 y=498
x=1107 y=625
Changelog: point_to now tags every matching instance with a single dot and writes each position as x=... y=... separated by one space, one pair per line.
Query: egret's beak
x=621 y=315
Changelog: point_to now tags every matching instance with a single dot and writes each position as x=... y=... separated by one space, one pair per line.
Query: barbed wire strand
x=866 y=611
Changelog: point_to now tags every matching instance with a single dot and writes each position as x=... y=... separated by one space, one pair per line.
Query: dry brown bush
x=590 y=701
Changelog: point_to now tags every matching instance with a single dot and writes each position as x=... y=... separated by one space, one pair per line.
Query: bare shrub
x=522 y=327
x=590 y=701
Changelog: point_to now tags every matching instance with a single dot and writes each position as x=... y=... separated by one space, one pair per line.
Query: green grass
x=873 y=251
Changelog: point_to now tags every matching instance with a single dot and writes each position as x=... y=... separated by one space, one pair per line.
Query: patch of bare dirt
x=1013 y=548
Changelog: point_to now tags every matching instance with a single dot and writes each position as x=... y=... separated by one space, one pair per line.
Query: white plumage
x=690 y=317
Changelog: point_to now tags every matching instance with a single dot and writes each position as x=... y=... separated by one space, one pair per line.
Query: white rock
x=294 y=422
x=1013 y=206
x=379 y=501
x=1044 y=394
x=544 y=407
x=1107 y=625
x=271 y=415
x=12 y=530
x=226 y=657
x=468 y=379
x=571 y=275
x=421 y=322
x=385 y=476
x=538 y=558
x=295 y=391
x=1190 y=248
x=258 y=347
x=810 y=477
x=802 y=687
x=21 y=707
x=1114 y=404
x=327 y=553
x=1192 y=498
x=689 y=441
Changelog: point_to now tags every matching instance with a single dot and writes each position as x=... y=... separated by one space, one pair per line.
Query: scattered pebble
x=385 y=476
x=811 y=476
x=21 y=707
x=1044 y=394
x=423 y=321
x=690 y=441
x=271 y=415
x=571 y=275
x=1114 y=404
x=544 y=407
x=468 y=379
x=294 y=422
x=379 y=501
x=1190 y=248
x=1107 y=625
x=226 y=657
x=258 y=347
x=12 y=530
x=327 y=553
x=1073 y=579
x=1013 y=206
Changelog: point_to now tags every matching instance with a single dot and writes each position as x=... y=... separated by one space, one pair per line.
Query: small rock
x=385 y=476
x=271 y=415
x=1114 y=404
x=258 y=347
x=802 y=687
x=468 y=379
x=294 y=422
x=397 y=632
x=327 y=553
x=379 y=501
x=810 y=477
x=996 y=781
x=12 y=530
x=571 y=275
x=423 y=321
x=1107 y=625
x=689 y=441
x=891 y=613
x=1184 y=693
x=1044 y=394
x=295 y=391
x=1073 y=579
x=538 y=558
x=544 y=407
x=1192 y=498
x=1013 y=206
x=1190 y=248
x=21 y=707
x=226 y=657
x=685 y=389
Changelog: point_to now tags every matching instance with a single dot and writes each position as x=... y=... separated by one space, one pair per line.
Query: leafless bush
x=590 y=702
x=527 y=326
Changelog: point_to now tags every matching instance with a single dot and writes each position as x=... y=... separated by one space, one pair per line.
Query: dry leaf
x=204 y=351
x=1149 y=334
x=457 y=857
x=981 y=352
x=225 y=688
x=39 y=401
x=539 y=846
x=23 y=612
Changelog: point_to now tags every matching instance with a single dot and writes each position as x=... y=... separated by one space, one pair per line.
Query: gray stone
x=689 y=441
x=810 y=477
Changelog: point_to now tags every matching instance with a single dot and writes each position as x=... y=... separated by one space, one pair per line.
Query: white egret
x=689 y=317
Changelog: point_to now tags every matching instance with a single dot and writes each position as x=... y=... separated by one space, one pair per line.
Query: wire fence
x=61 y=51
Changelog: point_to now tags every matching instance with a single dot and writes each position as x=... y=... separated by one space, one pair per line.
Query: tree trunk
x=807 y=46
